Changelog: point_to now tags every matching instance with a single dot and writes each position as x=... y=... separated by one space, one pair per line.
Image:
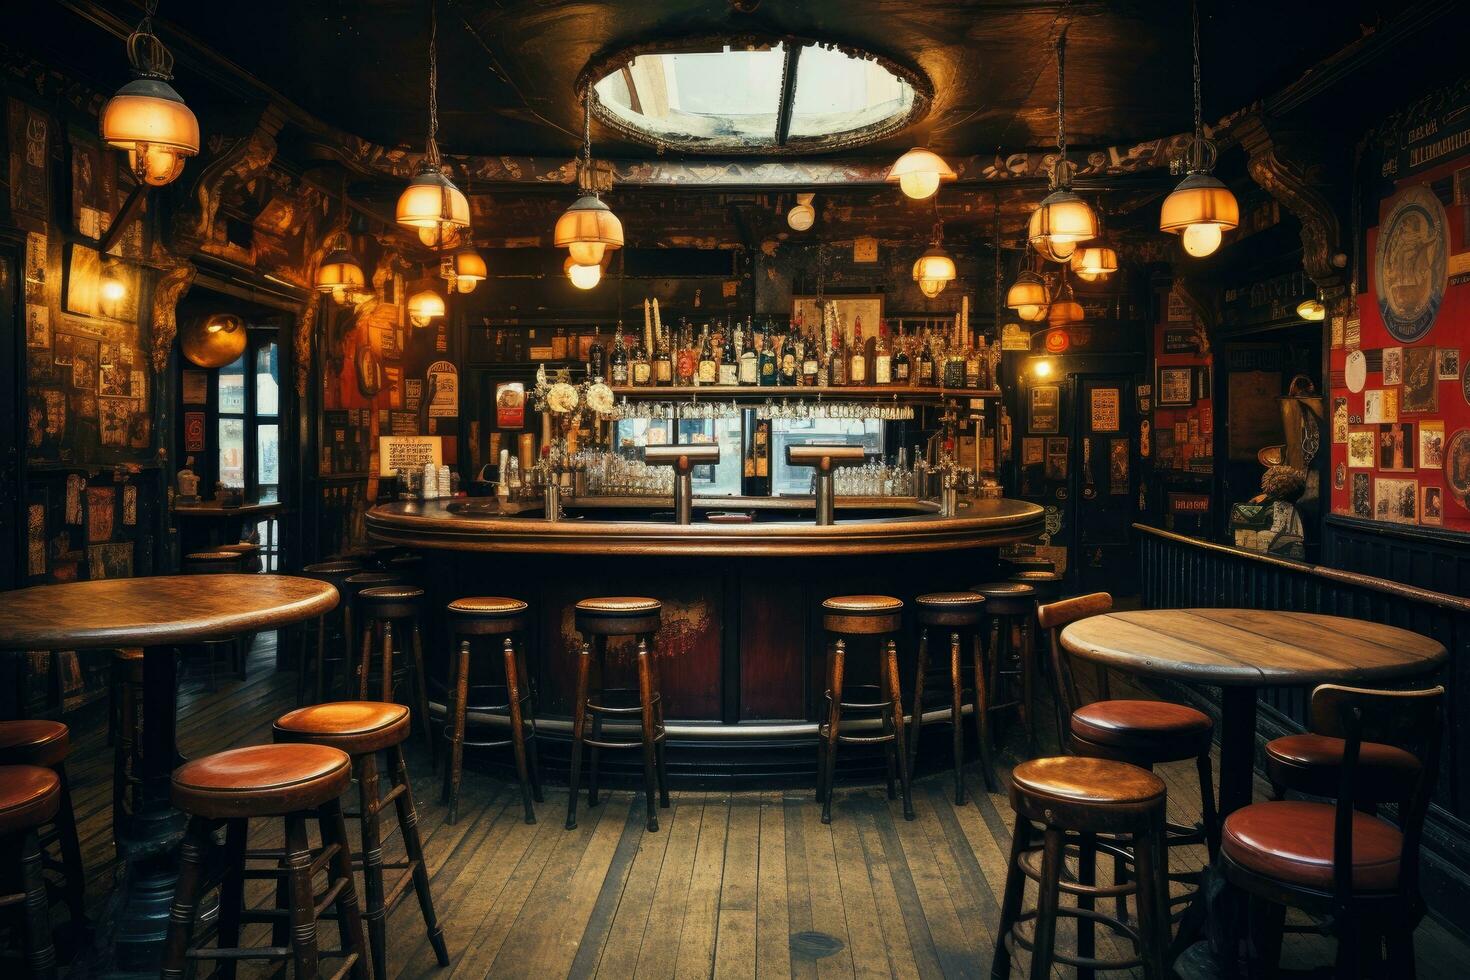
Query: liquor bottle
x=709 y=368
x=618 y=362
x=749 y=373
x=925 y=363
x=811 y=360
x=596 y=357
x=839 y=363
x=663 y=363
x=972 y=365
x=767 y=357
x=882 y=360
x=640 y=370
x=687 y=363
x=857 y=365
x=790 y=367
x=901 y=375
x=954 y=364
x=729 y=360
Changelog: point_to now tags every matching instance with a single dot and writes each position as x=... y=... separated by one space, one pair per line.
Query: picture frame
x=1431 y=444
x=1044 y=415
x=1362 y=448
x=1176 y=387
x=1396 y=501
x=867 y=306
x=1421 y=381
x=1431 y=505
x=1396 y=447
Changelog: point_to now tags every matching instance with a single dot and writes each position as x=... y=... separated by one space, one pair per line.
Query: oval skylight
x=782 y=96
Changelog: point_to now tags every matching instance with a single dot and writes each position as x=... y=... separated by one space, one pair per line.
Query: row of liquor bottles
x=730 y=354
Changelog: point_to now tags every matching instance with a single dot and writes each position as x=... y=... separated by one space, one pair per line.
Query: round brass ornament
x=213 y=341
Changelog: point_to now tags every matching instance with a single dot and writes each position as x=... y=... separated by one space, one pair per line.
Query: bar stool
x=878 y=616
x=961 y=612
x=296 y=783
x=249 y=552
x=127 y=700
x=596 y=620
x=219 y=562
x=352 y=585
x=1011 y=608
x=490 y=616
x=334 y=573
x=1046 y=583
x=30 y=797
x=46 y=744
x=1076 y=800
x=380 y=607
x=363 y=729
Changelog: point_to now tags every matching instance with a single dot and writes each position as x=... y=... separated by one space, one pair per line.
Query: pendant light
x=424 y=307
x=1028 y=296
x=1201 y=209
x=919 y=172
x=469 y=269
x=146 y=117
x=1312 y=309
x=431 y=204
x=1063 y=219
x=1093 y=262
x=339 y=273
x=582 y=276
x=802 y=215
x=588 y=228
x=934 y=269
x=1064 y=311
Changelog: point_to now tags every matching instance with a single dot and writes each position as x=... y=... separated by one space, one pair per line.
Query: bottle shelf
x=758 y=393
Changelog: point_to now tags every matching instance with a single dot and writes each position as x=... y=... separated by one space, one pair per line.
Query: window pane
x=797 y=480
x=268 y=455
x=232 y=387
x=267 y=380
x=723 y=478
x=232 y=452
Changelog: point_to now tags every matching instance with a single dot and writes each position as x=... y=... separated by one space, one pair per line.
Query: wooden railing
x=1181 y=572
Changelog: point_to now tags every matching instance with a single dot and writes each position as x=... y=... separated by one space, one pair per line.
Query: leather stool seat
x=1312 y=764
x=1292 y=841
x=1030 y=575
x=261 y=780
x=1158 y=728
x=951 y=600
x=1079 y=779
x=354 y=727
x=332 y=568
x=861 y=604
x=391 y=592
x=365 y=580
x=619 y=605
x=218 y=555
x=1005 y=590
x=240 y=548
x=489 y=605
x=29 y=797
x=33 y=742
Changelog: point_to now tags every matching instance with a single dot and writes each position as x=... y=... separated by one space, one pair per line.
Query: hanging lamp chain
x=1061 y=170
x=587 y=183
x=146 y=53
x=431 y=149
x=1202 y=153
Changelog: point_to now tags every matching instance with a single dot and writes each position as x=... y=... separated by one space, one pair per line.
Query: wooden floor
x=732 y=885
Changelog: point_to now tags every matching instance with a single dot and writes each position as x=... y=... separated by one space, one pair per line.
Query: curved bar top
x=454 y=526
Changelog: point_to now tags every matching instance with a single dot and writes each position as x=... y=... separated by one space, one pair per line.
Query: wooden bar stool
x=30 y=797
x=127 y=744
x=219 y=562
x=363 y=729
x=596 y=620
x=881 y=617
x=351 y=586
x=1011 y=609
x=1044 y=582
x=961 y=613
x=46 y=744
x=379 y=608
x=250 y=555
x=314 y=631
x=1077 y=800
x=296 y=783
x=491 y=616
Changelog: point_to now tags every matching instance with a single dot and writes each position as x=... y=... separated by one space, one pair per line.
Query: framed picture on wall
x=1176 y=387
x=1431 y=505
x=1396 y=447
x=1396 y=501
x=853 y=312
x=1421 y=380
x=1045 y=404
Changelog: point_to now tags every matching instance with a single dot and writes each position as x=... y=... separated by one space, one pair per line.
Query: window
x=719 y=480
x=797 y=480
x=249 y=431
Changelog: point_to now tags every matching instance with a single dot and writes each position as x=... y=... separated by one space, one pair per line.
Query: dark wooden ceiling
x=507 y=68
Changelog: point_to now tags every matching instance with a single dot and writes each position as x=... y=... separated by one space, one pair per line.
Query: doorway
x=1104 y=485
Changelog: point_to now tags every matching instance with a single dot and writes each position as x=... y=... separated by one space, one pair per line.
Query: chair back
x=1410 y=720
x=1052 y=617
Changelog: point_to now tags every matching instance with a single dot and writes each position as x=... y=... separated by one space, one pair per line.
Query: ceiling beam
x=788 y=93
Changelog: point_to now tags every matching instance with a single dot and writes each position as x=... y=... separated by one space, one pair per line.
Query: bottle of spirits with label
x=811 y=360
x=925 y=362
x=618 y=361
x=768 y=361
x=688 y=362
x=729 y=371
x=954 y=364
x=839 y=361
x=596 y=357
x=750 y=373
x=882 y=359
x=640 y=368
x=857 y=363
x=709 y=368
x=901 y=374
x=972 y=365
x=663 y=362
x=790 y=367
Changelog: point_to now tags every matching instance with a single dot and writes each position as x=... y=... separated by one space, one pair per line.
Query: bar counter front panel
x=741 y=651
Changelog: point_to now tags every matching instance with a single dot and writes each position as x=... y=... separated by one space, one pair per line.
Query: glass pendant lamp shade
x=469 y=270
x=1062 y=220
x=432 y=203
x=340 y=274
x=425 y=306
x=1092 y=262
x=934 y=266
x=1065 y=310
x=146 y=117
x=932 y=287
x=583 y=276
x=156 y=166
x=1200 y=209
x=919 y=172
x=1312 y=309
x=587 y=229
x=1028 y=291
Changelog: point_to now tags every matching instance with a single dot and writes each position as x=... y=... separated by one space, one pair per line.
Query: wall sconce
x=1042 y=367
x=424 y=307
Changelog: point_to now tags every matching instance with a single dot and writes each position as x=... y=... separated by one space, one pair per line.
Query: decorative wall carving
x=174 y=278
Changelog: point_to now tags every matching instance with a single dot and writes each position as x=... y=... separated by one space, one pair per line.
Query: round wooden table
x=1241 y=650
x=157 y=614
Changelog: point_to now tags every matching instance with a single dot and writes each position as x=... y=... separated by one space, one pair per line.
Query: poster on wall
x=854 y=313
x=1176 y=387
x=1105 y=409
x=30 y=158
x=443 y=390
x=1421 y=381
x=194 y=432
x=1396 y=501
x=1457 y=466
x=195 y=387
x=1045 y=405
x=1409 y=264
x=510 y=405
x=1431 y=444
x=1431 y=505
x=407 y=453
x=1396 y=447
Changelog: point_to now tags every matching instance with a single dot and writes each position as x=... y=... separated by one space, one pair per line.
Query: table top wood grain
x=155 y=611
x=1252 y=647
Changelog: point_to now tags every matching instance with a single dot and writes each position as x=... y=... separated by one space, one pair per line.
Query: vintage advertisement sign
x=443 y=390
x=408 y=453
x=510 y=405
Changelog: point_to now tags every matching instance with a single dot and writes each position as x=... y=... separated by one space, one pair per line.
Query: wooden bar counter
x=741 y=649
